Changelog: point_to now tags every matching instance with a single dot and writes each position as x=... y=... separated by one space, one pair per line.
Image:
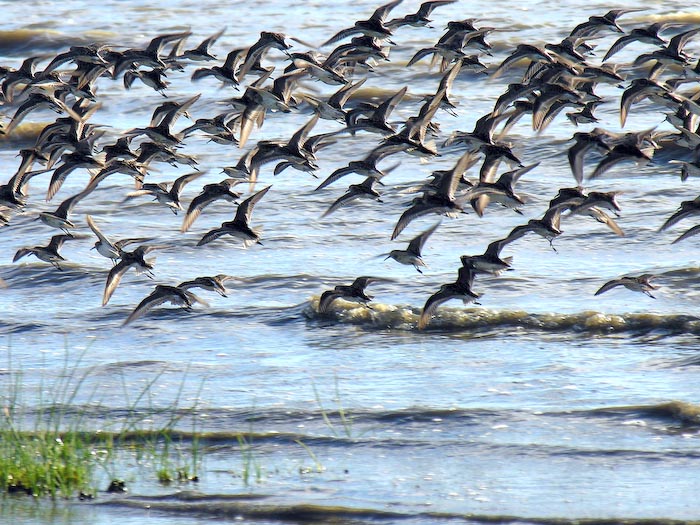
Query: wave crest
x=451 y=319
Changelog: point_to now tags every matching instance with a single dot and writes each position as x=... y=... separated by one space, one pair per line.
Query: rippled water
x=543 y=402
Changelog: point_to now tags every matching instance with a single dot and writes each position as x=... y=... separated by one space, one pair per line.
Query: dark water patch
x=675 y=412
x=31 y=275
x=129 y=365
x=21 y=328
x=271 y=315
x=684 y=362
x=264 y=507
x=23 y=41
x=280 y=281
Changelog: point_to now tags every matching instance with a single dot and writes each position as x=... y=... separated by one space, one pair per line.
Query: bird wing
x=58 y=178
x=343 y=33
x=155 y=298
x=21 y=253
x=449 y=183
x=688 y=233
x=212 y=235
x=337 y=174
x=340 y=97
x=67 y=205
x=606 y=219
x=618 y=45
x=494 y=249
x=609 y=286
x=113 y=278
x=58 y=240
x=103 y=239
x=245 y=209
x=576 y=154
x=382 y=11
x=326 y=299
x=416 y=244
x=613 y=157
x=417 y=210
x=251 y=116
x=198 y=204
x=180 y=182
x=343 y=200
x=421 y=53
x=298 y=139
x=361 y=283
x=386 y=107
x=445 y=293
x=427 y=7
x=678 y=42
x=679 y=215
x=632 y=94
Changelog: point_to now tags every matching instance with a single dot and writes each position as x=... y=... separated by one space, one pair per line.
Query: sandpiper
x=373 y=26
x=502 y=191
x=213 y=283
x=134 y=259
x=366 y=167
x=240 y=226
x=107 y=248
x=647 y=35
x=547 y=227
x=166 y=193
x=420 y=17
x=164 y=294
x=225 y=73
x=354 y=293
x=47 y=253
x=413 y=254
x=356 y=191
x=636 y=284
x=377 y=120
x=210 y=193
x=490 y=261
x=199 y=53
x=267 y=41
x=333 y=108
x=598 y=23
x=441 y=200
x=60 y=218
x=460 y=289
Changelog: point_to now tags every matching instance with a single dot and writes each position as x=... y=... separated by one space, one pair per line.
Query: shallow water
x=541 y=403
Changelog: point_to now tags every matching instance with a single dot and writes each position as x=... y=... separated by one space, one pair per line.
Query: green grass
x=49 y=450
x=344 y=418
x=48 y=453
x=45 y=463
x=250 y=467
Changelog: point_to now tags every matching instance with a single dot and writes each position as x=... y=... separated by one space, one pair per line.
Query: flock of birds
x=556 y=76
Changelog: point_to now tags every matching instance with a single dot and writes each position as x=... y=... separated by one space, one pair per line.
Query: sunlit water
x=542 y=402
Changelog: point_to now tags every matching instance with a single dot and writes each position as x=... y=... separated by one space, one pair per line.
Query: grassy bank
x=47 y=451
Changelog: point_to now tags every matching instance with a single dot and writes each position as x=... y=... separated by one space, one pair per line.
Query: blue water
x=542 y=402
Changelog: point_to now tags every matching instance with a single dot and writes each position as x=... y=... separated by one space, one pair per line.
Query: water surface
x=541 y=403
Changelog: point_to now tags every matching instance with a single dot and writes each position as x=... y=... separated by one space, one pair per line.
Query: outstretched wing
x=443 y=295
x=113 y=279
x=245 y=209
x=609 y=286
